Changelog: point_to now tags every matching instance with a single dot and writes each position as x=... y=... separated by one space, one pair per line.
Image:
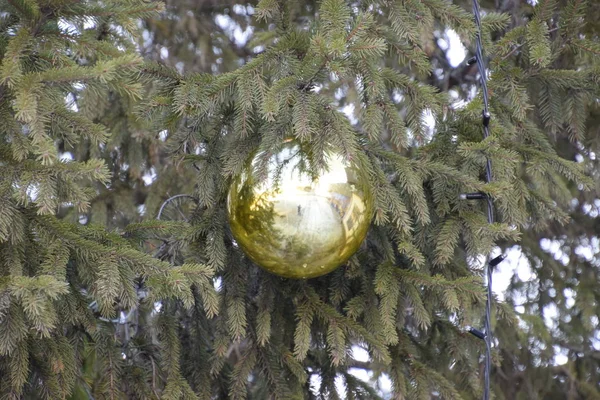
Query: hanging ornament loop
x=492 y=262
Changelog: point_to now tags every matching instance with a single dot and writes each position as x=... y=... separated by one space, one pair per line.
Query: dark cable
x=490 y=207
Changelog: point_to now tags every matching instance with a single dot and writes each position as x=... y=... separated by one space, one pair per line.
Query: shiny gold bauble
x=294 y=224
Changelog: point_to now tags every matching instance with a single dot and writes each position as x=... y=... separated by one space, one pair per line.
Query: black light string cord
x=491 y=263
x=490 y=206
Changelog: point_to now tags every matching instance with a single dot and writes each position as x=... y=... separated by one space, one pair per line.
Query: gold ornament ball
x=293 y=224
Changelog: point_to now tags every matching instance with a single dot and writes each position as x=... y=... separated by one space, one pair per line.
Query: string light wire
x=487 y=335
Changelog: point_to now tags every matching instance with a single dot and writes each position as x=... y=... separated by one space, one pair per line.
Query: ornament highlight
x=293 y=224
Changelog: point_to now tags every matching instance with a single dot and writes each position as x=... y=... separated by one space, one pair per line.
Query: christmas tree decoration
x=293 y=223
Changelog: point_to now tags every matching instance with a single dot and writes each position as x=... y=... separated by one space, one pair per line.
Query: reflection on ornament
x=293 y=224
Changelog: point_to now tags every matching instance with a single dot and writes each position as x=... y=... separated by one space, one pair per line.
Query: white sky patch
x=569 y=297
x=162 y=135
x=443 y=43
x=157 y=307
x=32 y=191
x=560 y=356
x=233 y=30
x=585 y=252
x=243 y=10
x=515 y=262
x=501 y=278
x=397 y=96
x=360 y=354
x=315 y=383
x=239 y=9
x=457 y=101
x=550 y=314
x=65 y=25
x=348 y=110
x=147 y=37
x=553 y=247
x=521 y=310
x=589 y=252
x=218 y=283
x=457 y=52
x=89 y=23
x=340 y=386
x=149 y=177
x=429 y=121
x=591 y=210
x=384 y=383
x=66 y=157
x=164 y=53
x=504 y=271
x=71 y=103
x=360 y=373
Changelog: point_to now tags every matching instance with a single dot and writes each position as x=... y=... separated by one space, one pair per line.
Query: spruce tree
x=63 y=65
x=100 y=300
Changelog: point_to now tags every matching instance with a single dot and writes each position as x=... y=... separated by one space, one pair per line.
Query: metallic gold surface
x=293 y=225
